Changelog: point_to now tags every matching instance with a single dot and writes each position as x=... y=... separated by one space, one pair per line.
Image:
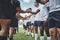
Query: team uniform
x=28 y=20
x=32 y=19
x=41 y=16
x=5 y=9
x=5 y=16
x=14 y=21
x=25 y=23
x=40 y=19
x=54 y=14
x=28 y=23
x=32 y=25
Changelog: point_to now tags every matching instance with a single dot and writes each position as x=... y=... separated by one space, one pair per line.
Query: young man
x=25 y=23
x=36 y=26
x=32 y=25
x=5 y=18
x=14 y=22
x=25 y=26
x=29 y=21
x=40 y=19
x=54 y=17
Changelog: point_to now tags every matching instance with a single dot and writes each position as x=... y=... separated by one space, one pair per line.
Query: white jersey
x=29 y=19
x=25 y=22
x=24 y=15
x=43 y=14
x=32 y=18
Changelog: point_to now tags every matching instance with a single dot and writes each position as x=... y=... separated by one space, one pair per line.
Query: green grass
x=21 y=36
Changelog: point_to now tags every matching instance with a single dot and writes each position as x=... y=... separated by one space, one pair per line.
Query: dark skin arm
x=20 y=10
x=35 y=12
x=42 y=1
x=18 y=7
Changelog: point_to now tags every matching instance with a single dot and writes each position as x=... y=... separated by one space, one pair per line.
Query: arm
x=18 y=16
x=42 y=1
x=18 y=8
x=28 y=16
x=35 y=12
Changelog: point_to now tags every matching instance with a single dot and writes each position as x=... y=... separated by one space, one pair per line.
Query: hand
x=17 y=15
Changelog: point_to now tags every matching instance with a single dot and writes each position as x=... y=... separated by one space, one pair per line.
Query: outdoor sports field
x=21 y=36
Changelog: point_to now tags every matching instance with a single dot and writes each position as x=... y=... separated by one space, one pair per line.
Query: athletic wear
x=25 y=15
x=29 y=19
x=5 y=9
x=32 y=19
x=38 y=23
x=14 y=5
x=25 y=22
x=14 y=23
x=54 y=5
x=43 y=14
x=28 y=24
x=54 y=19
x=48 y=38
x=32 y=34
x=54 y=15
x=36 y=36
x=41 y=37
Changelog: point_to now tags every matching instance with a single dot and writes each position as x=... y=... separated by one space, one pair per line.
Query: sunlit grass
x=21 y=36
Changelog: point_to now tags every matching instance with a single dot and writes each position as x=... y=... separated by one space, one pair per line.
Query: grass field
x=21 y=36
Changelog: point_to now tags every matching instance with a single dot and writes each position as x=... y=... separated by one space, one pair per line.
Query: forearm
x=36 y=12
x=22 y=11
x=42 y=1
